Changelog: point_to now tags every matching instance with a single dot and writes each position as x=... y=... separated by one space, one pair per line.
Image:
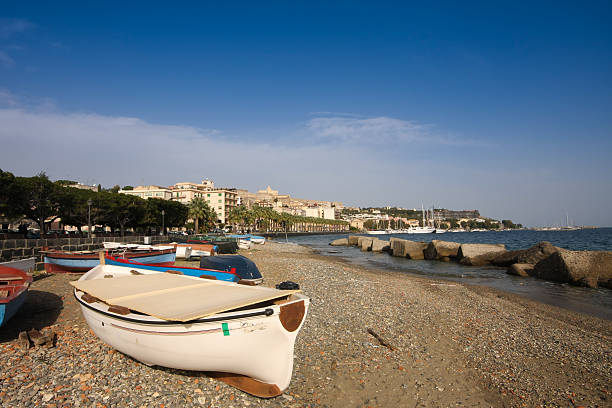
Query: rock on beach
x=407 y=249
x=441 y=250
x=479 y=254
x=340 y=242
x=532 y=255
x=581 y=268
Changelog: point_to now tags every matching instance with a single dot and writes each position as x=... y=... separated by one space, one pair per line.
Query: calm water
x=596 y=302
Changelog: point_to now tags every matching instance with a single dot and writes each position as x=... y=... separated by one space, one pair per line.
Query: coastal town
x=222 y=208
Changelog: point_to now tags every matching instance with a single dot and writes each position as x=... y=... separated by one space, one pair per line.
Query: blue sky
x=498 y=106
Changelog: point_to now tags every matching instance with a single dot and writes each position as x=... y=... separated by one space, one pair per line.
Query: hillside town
x=224 y=209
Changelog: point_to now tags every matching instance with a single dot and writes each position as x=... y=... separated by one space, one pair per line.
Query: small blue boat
x=256 y=239
x=229 y=276
x=14 y=284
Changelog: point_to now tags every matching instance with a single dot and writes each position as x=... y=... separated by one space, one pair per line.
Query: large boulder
x=340 y=242
x=520 y=269
x=365 y=243
x=353 y=240
x=479 y=254
x=441 y=250
x=581 y=268
x=533 y=255
x=407 y=249
x=379 y=245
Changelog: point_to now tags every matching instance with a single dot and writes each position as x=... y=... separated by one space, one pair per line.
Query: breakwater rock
x=441 y=250
x=533 y=255
x=543 y=260
x=407 y=249
x=581 y=268
x=479 y=254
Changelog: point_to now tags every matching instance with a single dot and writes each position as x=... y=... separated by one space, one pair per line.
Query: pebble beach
x=371 y=338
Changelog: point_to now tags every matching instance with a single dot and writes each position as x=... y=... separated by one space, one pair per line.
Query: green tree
x=73 y=208
x=121 y=210
x=37 y=198
x=175 y=213
x=200 y=210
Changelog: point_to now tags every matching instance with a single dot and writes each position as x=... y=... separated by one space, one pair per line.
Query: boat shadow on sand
x=40 y=309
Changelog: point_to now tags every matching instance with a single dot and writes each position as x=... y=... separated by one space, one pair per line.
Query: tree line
x=44 y=201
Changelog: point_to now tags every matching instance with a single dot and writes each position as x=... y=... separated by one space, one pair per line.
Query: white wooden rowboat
x=244 y=335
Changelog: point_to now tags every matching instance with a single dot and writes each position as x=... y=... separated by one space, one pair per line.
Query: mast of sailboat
x=423 y=210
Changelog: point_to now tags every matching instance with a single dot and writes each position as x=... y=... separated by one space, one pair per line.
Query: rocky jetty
x=543 y=260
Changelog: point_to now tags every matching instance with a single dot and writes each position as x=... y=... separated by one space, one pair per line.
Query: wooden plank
x=176 y=297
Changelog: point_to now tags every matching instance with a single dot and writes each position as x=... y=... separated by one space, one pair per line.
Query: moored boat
x=82 y=261
x=14 y=284
x=229 y=276
x=245 y=335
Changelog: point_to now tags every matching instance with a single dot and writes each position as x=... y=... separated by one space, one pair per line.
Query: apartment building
x=147 y=192
x=221 y=201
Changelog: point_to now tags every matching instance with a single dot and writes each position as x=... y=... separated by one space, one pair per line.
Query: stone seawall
x=12 y=249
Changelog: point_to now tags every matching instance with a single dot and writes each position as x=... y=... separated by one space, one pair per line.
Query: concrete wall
x=12 y=249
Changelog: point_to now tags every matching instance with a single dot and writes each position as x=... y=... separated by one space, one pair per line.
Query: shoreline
x=578 y=318
x=452 y=344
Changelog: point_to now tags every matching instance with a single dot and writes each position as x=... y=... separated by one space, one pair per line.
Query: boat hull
x=65 y=262
x=223 y=343
x=197 y=272
x=8 y=310
x=26 y=265
x=13 y=291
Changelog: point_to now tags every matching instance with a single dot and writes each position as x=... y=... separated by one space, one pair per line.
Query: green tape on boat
x=225 y=329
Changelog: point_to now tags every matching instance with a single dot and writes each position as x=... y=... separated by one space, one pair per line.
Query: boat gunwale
x=269 y=311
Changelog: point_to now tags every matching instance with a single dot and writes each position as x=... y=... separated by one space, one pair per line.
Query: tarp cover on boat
x=245 y=268
x=176 y=297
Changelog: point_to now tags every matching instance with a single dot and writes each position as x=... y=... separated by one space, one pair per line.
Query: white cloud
x=113 y=150
x=356 y=129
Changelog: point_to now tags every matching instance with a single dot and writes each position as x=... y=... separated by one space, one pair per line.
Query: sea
x=596 y=302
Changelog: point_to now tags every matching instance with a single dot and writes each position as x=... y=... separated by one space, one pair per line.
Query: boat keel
x=247 y=384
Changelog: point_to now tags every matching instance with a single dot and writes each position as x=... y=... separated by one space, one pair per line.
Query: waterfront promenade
x=447 y=344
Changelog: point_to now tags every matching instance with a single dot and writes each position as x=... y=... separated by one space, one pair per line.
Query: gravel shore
x=448 y=344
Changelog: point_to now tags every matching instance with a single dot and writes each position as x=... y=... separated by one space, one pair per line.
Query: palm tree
x=198 y=208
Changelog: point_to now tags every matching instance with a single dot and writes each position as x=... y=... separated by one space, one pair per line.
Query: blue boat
x=243 y=266
x=83 y=261
x=229 y=276
x=14 y=284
